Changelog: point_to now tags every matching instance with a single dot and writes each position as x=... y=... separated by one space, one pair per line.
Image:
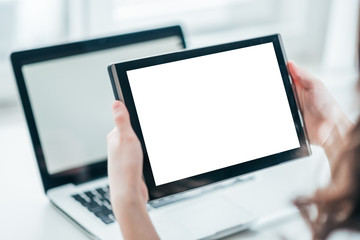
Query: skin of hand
x=327 y=125
x=128 y=191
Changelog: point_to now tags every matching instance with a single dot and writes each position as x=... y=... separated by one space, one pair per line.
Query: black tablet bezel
x=224 y=173
x=21 y=58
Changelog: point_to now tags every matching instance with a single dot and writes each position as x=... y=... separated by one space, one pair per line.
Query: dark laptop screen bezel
x=224 y=173
x=21 y=58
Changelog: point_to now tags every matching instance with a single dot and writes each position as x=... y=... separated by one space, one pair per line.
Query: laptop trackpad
x=198 y=218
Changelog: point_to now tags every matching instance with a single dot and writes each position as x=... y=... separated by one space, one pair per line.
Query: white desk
x=26 y=213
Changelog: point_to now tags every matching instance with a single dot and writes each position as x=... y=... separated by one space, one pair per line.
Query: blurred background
x=318 y=34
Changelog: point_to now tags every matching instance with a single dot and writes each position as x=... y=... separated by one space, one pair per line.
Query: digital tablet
x=210 y=114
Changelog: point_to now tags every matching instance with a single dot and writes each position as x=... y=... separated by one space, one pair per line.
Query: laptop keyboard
x=98 y=202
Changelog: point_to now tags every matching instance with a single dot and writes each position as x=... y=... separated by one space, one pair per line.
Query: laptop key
x=104 y=213
x=78 y=198
x=95 y=208
x=101 y=191
x=107 y=220
x=89 y=194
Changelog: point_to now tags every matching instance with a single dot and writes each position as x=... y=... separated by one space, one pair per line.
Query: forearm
x=334 y=144
x=134 y=220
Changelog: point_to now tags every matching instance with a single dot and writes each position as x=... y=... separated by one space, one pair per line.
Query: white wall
x=315 y=33
x=340 y=47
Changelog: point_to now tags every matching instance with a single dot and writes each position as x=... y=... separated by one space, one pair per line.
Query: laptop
x=68 y=123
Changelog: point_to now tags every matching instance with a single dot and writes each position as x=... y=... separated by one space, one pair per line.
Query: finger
x=111 y=135
x=301 y=76
x=121 y=116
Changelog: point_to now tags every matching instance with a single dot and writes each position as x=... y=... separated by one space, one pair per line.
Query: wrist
x=333 y=144
x=126 y=198
x=131 y=213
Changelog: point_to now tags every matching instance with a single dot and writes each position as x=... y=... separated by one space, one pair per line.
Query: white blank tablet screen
x=210 y=112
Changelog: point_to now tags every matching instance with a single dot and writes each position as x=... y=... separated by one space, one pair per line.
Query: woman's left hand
x=128 y=191
x=125 y=159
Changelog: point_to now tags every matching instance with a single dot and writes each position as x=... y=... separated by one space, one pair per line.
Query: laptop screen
x=71 y=100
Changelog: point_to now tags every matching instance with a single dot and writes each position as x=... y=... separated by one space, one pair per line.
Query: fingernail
x=116 y=105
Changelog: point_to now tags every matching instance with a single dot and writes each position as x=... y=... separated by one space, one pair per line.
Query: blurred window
x=35 y=23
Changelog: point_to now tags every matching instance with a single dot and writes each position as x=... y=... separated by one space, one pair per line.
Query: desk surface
x=26 y=212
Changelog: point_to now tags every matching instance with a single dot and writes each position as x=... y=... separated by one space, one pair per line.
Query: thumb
x=300 y=76
x=121 y=116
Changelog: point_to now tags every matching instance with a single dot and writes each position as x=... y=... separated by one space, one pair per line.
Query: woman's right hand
x=326 y=123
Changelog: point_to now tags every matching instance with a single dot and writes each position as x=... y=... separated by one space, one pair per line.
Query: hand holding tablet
x=209 y=114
